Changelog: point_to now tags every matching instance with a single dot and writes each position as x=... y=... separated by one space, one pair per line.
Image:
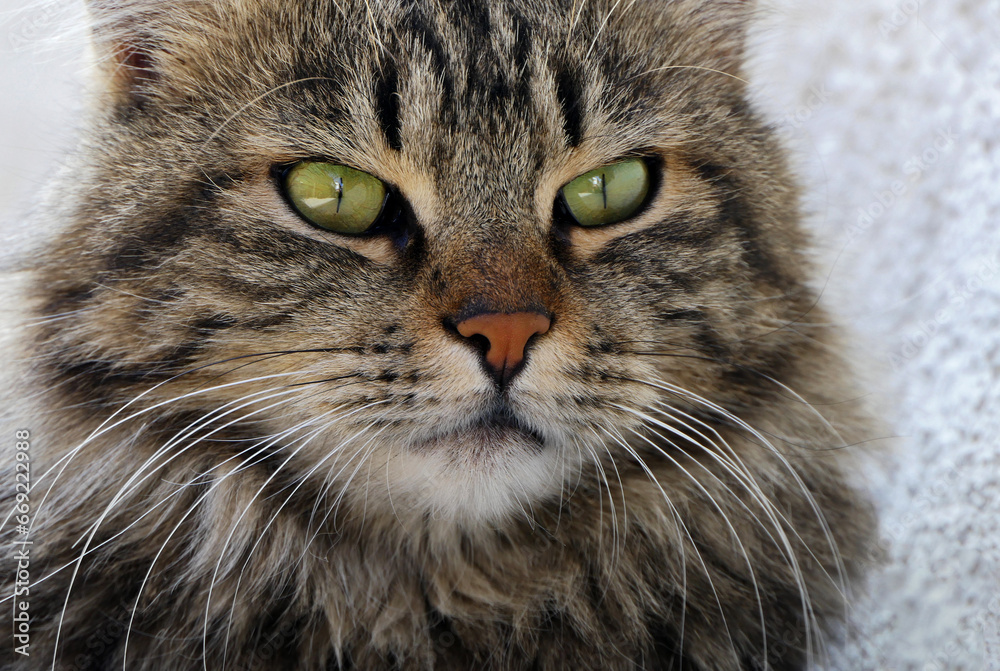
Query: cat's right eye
x=335 y=197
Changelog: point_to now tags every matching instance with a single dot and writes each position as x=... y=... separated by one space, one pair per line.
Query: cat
x=437 y=334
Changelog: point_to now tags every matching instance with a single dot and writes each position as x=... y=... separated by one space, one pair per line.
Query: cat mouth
x=501 y=422
x=495 y=429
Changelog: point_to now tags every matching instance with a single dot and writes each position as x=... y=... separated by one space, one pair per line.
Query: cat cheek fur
x=272 y=448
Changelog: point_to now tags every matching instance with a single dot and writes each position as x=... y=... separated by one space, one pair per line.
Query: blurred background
x=42 y=75
x=892 y=113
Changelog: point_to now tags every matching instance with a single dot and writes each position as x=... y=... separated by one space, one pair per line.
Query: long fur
x=257 y=444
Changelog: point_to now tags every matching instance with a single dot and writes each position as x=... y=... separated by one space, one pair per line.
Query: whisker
x=90 y=536
x=620 y=440
x=302 y=480
x=186 y=432
x=711 y=499
x=149 y=572
x=256 y=100
x=60 y=464
x=744 y=475
x=810 y=499
x=617 y=538
x=689 y=67
x=162 y=450
x=246 y=509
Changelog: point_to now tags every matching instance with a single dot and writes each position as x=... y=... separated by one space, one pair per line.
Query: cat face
x=198 y=294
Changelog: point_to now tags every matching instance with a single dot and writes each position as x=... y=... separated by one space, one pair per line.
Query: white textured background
x=893 y=112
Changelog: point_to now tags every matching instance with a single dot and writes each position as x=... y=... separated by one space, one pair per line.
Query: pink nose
x=508 y=334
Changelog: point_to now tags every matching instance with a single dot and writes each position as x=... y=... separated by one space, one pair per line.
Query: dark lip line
x=498 y=419
x=502 y=418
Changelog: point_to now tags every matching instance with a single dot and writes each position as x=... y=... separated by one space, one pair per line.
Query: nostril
x=503 y=338
x=480 y=342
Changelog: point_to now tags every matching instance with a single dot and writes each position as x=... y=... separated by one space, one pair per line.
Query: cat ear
x=715 y=31
x=730 y=21
x=130 y=37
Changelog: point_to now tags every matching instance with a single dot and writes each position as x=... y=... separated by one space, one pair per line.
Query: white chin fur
x=474 y=481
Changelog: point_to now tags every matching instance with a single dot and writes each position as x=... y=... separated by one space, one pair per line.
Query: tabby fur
x=262 y=447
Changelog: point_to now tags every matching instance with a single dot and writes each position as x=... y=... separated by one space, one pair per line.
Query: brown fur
x=259 y=438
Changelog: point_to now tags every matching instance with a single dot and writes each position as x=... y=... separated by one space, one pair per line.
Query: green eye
x=608 y=195
x=335 y=197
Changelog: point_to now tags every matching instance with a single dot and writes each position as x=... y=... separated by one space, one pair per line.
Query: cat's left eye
x=335 y=197
x=608 y=195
